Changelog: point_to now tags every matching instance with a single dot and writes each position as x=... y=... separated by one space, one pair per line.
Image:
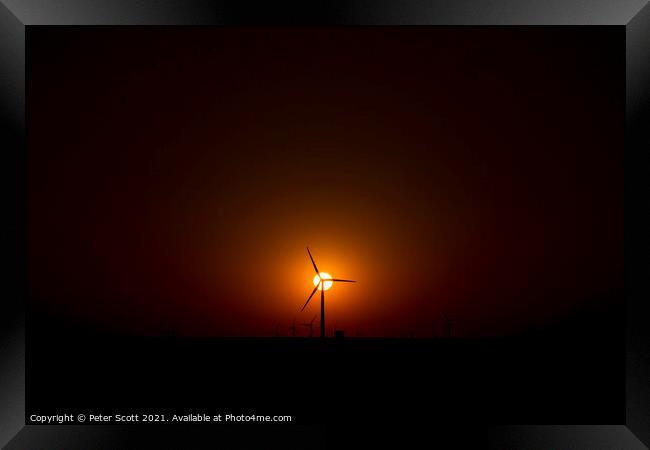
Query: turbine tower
x=320 y=281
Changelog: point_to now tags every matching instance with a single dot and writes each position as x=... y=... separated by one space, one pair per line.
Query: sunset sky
x=176 y=176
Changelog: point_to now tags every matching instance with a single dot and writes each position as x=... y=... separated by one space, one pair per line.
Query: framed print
x=325 y=226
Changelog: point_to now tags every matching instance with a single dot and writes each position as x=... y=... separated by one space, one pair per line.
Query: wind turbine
x=292 y=328
x=322 y=281
x=310 y=325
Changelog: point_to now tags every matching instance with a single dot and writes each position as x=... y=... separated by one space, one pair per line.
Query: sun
x=325 y=276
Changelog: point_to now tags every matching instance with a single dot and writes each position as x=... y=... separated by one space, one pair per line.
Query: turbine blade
x=310 y=296
x=312 y=261
x=340 y=280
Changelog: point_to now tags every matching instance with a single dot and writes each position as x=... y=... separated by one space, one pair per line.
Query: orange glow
x=325 y=276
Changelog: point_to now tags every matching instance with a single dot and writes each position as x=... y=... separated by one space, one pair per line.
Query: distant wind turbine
x=448 y=324
x=322 y=281
x=310 y=325
x=292 y=328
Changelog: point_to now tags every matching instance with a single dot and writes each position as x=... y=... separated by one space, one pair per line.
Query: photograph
x=279 y=219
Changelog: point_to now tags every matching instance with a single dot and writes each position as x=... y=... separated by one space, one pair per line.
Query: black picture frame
x=633 y=16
